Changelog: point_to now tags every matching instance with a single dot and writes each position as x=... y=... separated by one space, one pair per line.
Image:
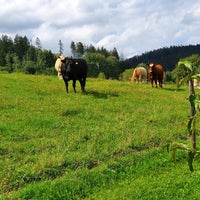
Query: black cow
x=74 y=69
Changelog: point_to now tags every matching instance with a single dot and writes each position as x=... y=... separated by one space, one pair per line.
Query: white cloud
x=132 y=26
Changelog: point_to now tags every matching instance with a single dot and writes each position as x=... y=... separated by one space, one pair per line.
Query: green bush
x=101 y=75
x=30 y=70
x=126 y=75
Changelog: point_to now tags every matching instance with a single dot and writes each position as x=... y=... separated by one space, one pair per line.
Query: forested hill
x=168 y=56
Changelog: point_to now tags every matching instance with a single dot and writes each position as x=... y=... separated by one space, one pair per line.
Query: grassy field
x=108 y=143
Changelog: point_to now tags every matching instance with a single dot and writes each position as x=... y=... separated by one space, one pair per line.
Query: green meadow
x=107 y=143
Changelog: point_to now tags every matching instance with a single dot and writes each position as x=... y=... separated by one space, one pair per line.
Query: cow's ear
x=63 y=61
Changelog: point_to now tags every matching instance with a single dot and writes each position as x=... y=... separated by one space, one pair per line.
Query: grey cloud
x=19 y=25
x=190 y=19
x=132 y=26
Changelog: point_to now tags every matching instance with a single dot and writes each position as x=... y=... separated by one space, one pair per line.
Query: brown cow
x=139 y=75
x=156 y=73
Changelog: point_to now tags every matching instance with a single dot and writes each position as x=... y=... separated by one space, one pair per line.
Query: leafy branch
x=194 y=114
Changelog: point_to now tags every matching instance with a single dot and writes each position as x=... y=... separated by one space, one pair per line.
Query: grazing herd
x=155 y=73
x=76 y=69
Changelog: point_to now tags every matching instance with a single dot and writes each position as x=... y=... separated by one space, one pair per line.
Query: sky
x=132 y=26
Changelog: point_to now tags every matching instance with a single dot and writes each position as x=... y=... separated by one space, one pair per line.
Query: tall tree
x=90 y=49
x=31 y=54
x=80 y=50
x=61 y=47
x=103 y=51
x=6 y=46
x=21 y=45
x=41 y=61
x=16 y=62
x=73 y=48
x=38 y=43
x=114 y=53
x=49 y=58
x=9 y=62
x=113 y=67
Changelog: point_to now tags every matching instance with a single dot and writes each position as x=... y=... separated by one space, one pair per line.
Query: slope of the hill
x=108 y=143
x=168 y=56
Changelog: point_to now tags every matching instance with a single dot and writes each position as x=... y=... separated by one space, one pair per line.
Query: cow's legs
x=160 y=83
x=66 y=86
x=140 y=79
x=152 y=82
x=156 y=83
x=82 y=83
x=74 y=85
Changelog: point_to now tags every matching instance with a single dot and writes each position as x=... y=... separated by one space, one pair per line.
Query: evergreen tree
x=16 y=63
x=38 y=43
x=113 y=67
x=9 y=62
x=31 y=54
x=73 y=49
x=114 y=53
x=61 y=47
x=103 y=51
x=41 y=61
x=90 y=49
x=49 y=58
x=80 y=50
x=6 y=46
x=21 y=45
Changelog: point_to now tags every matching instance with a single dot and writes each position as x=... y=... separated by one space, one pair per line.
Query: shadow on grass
x=71 y=112
x=103 y=95
x=173 y=89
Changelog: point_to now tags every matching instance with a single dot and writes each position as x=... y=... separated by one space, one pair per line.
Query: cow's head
x=151 y=67
x=66 y=67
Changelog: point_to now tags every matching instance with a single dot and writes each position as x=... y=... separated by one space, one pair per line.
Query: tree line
x=101 y=62
x=167 y=56
x=20 y=54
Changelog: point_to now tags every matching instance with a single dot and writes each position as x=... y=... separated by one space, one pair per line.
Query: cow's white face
x=150 y=70
x=150 y=67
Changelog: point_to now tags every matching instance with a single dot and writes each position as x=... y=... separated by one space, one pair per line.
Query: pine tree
x=21 y=45
x=80 y=50
x=73 y=48
x=61 y=47
x=114 y=53
x=38 y=43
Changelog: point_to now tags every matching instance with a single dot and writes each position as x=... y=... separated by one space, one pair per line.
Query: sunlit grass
x=75 y=146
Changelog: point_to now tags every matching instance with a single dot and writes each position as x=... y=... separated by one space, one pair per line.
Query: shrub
x=101 y=75
x=30 y=70
x=126 y=75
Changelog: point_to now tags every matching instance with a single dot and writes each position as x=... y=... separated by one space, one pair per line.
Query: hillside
x=108 y=143
x=168 y=56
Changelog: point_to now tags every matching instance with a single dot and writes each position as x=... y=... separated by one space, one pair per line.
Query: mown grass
x=108 y=143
